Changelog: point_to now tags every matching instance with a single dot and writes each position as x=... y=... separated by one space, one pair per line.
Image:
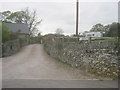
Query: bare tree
x=31 y=20
x=59 y=31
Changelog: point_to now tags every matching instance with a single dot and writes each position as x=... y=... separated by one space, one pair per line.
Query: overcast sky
x=62 y=14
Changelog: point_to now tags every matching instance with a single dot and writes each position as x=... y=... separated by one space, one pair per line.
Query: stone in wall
x=98 y=57
x=10 y=47
x=0 y=50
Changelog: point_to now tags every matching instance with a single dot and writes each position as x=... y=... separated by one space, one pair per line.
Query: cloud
x=62 y=14
x=94 y=12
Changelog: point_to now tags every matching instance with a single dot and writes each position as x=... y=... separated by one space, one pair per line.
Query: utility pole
x=77 y=16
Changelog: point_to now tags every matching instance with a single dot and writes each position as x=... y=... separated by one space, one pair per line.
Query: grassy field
x=106 y=40
x=94 y=41
x=103 y=40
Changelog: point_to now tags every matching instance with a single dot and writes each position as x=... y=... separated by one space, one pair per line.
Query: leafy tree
x=39 y=34
x=118 y=30
x=28 y=17
x=112 y=30
x=106 y=28
x=16 y=17
x=4 y=16
x=59 y=31
x=97 y=28
x=24 y=16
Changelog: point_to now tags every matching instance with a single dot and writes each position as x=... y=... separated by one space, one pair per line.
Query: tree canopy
x=23 y=16
x=110 y=30
x=97 y=28
x=59 y=31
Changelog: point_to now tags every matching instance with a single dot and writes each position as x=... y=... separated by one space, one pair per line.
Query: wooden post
x=90 y=38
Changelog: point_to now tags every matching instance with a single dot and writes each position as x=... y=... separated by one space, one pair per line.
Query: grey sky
x=62 y=14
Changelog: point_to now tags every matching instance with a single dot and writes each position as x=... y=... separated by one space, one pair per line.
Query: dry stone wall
x=0 y=50
x=11 y=47
x=100 y=58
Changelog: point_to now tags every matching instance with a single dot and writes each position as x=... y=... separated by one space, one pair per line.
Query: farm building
x=21 y=29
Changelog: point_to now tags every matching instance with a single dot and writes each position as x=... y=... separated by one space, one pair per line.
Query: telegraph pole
x=77 y=16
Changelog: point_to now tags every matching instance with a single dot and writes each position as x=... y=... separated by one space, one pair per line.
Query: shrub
x=5 y=33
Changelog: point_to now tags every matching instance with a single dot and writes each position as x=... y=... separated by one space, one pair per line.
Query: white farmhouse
x=93 y=34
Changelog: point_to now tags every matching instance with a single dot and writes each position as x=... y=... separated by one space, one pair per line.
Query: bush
x=5 y=33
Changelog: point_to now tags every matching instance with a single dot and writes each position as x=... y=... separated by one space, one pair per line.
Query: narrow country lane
x=33 y=63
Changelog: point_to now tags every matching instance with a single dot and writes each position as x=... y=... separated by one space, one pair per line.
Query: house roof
x=18 y=27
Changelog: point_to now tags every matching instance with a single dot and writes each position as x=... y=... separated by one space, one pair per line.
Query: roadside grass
x=65 y=64
x=93 y=41
x=61 y=62
x=113 y=77
x=103 y=40
x=101 y=77
x=106 y=40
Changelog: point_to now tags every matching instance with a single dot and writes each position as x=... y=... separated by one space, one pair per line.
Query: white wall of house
x=94 y=34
